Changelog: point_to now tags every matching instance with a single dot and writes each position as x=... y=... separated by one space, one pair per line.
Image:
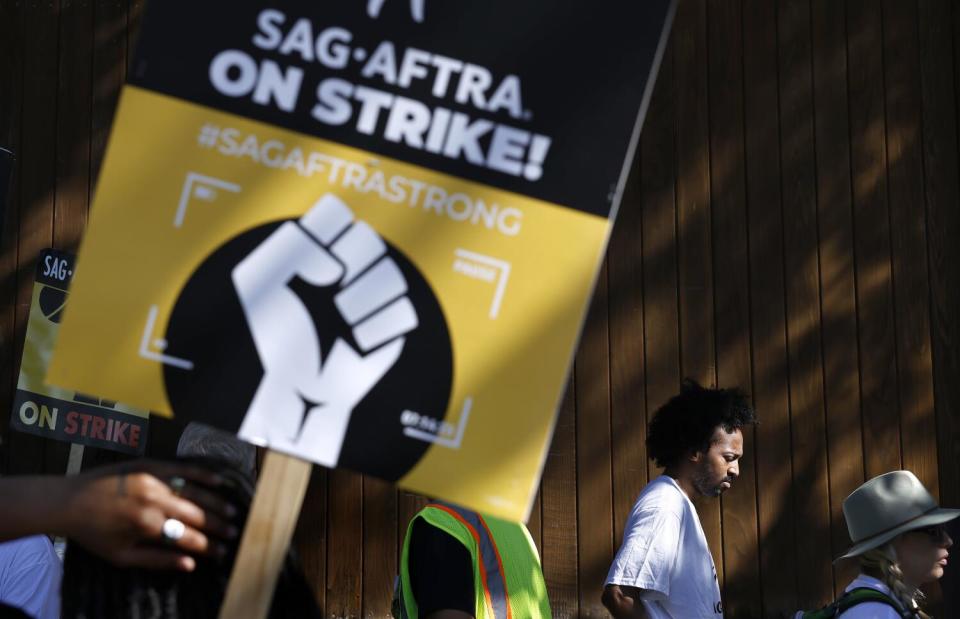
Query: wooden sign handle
x=263 y=547
x=75 y=460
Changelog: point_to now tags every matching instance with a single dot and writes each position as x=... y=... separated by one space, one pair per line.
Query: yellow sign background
x=38 y=348
x=513 y=367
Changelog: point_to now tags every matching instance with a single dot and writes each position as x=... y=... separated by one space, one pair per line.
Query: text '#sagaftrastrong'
x=362 y=178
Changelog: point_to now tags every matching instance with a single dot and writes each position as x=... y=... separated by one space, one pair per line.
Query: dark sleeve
x=441 y=571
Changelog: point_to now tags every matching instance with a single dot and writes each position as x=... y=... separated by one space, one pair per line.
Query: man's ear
x=695 y=456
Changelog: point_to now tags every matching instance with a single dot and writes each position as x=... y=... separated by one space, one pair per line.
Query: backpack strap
x=866 y=594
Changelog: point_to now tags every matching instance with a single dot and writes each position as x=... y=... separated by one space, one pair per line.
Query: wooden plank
x=732 y=292
x=955 y=30
x=940 y=160
x=940 y=164
x=837 y=276
x=775 y=504
x=37 y=179
x=909 y=241
x=134 y=20
x=11 y=102
x=379 y=546
x=658 y=227
x=344 y=544
x=310 y=536
x=109 y=70
x=627 y=377
x=807 y=428
x=73 y=124
x=909 y=250
x=559 y=504
x=11 y=69
x=878 y=371
x=698 y=355
x=594 y=484
x=266 y=536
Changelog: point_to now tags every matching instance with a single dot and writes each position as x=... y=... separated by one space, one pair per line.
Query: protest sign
x=363 y=234
x=60 y=414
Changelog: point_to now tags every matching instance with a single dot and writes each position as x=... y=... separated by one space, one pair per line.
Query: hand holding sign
x=304 y=402
x=120 y=512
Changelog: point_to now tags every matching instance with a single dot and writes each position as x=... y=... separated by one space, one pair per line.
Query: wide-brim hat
x=885 y=507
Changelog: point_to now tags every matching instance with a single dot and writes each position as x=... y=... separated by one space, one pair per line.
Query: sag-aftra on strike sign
x=363 y=233
x=58 y=414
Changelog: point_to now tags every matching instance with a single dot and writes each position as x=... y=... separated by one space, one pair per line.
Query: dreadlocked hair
x=881 y=563
x=688 y=420
x=93 y=588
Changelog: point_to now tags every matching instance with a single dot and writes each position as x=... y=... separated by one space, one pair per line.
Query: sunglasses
x=937 y=533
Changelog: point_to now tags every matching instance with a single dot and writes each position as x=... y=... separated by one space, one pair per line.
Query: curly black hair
x=688 y=420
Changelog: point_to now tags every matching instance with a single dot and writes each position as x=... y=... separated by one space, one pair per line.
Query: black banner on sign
x=76 y=422
x=531 y=97
x=55 y=268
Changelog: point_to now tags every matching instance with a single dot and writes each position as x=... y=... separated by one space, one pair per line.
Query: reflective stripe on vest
x=491 y=567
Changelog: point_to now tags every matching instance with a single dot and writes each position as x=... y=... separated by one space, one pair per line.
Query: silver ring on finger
x=173 y=530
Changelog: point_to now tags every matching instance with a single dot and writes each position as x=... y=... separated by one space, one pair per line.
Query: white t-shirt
x=871 y=610
x=665 y=553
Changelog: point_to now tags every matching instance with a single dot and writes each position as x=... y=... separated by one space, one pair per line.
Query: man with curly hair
x=664 y=568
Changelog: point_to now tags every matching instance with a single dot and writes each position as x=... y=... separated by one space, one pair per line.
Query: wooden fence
x=791 y=226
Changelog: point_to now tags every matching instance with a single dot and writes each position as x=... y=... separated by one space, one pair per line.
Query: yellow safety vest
x=507 y=577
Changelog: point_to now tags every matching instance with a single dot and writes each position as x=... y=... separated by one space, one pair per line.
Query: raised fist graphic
x=304 y=401
x=313 y=335
x=416 y=9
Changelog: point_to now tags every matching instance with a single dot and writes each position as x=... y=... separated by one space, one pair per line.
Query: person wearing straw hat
x=899 y=537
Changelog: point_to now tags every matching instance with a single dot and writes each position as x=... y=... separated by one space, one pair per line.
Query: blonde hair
x=882 y=563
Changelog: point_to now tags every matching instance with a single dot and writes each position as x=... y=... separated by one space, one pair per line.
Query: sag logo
x=316 y=334
x=416 y=9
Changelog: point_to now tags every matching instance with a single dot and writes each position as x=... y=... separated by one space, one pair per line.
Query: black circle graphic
x=51 y=302
x=208 y=327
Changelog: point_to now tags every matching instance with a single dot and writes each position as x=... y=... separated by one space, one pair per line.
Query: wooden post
x=75 y=461
x=273 y=516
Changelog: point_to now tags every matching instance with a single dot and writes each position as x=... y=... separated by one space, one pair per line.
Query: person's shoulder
x=870 y=610
x=26 y=547
x=30 y=557
x=661 y=493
